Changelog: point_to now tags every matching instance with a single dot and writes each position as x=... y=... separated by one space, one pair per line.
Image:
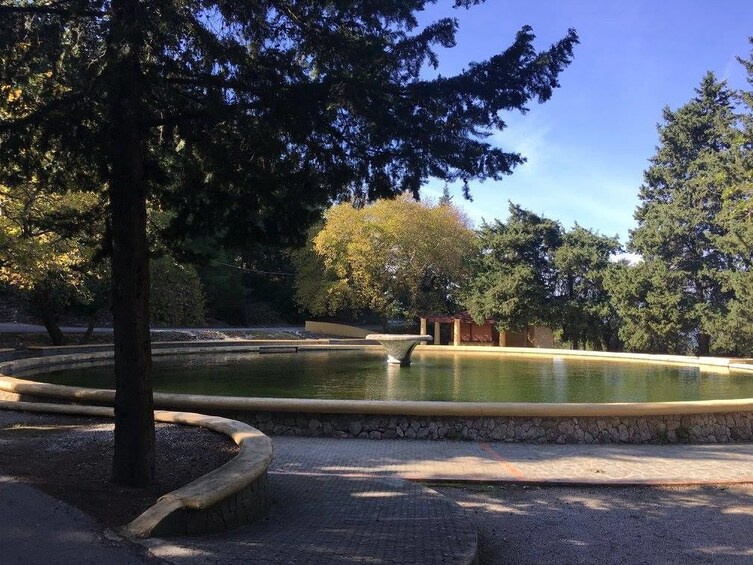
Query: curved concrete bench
x=234 y=494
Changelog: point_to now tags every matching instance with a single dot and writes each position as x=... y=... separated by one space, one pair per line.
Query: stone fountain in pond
x=399 y=346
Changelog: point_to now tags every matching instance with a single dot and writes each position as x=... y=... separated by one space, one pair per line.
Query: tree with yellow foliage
x=47 y=249
x=51 y=209
x=393 y=258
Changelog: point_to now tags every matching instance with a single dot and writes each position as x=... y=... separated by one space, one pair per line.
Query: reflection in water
x=456 y=377
x=559 y=380
x=393 y=375
x=462 y=377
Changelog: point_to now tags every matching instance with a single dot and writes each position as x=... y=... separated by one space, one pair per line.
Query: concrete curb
x=104 y=351
x=213 y=346
x=707 y=421
x=66 y=409
x=449 y=481
x=233 y=494
x=23 y=388
x=689 y=360
x=407 y=408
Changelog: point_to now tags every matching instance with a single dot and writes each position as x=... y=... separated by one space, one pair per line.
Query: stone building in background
x=460 y=329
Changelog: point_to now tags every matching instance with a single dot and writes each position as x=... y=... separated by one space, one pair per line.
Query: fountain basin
x=399 y=346
x=608 y=419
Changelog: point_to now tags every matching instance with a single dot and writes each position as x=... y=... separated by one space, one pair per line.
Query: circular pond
x=462 y=377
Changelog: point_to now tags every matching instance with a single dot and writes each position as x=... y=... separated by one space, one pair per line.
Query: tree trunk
x=89 y=331
x=133 y=463
x=704 y=344
x=49 y=321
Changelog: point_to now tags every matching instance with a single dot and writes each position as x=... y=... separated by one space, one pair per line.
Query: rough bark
x=133 y=462
x=49 y=321
x=89 y=331
x=704 y=344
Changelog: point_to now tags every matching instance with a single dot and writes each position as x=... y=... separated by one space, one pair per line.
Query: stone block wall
x=697 y=428
x=244 y=507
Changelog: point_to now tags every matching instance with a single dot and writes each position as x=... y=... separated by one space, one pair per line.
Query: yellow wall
x=540 y=336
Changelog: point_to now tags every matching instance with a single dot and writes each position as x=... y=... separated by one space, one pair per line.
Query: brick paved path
x=321 y=517
x=328 y=519
x=504 y=462
x=346 y=500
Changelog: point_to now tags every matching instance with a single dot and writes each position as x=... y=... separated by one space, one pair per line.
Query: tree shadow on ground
x=335 y=519
x=458 y=460
x=610 y=524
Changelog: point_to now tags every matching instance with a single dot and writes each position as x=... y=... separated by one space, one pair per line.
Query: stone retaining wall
x=720 y=427
x=697 y=428
x=245 y=506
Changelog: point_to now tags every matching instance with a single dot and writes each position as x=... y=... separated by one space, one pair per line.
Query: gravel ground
x=70 y=459
x=624 y=525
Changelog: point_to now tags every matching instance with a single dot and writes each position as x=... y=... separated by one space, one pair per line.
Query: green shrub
x=177 y=295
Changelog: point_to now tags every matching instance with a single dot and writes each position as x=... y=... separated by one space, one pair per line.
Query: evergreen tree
x=530 y=271
x=446 y=198
x=734 y=331
x=514 y=278
x=586 y=314
x=679 y=223
x=652 y=306
x=176 y=292
x=246 y=115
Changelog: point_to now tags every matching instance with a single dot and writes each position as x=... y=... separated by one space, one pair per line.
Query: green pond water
x=432 y=376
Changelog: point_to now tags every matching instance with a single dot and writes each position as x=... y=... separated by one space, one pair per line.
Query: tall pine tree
x=734 y=332
x=679 y=226
x=245 y=115
x=514 y=278
x=585 y=312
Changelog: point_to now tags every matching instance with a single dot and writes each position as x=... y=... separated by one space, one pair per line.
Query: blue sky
x=588 y=146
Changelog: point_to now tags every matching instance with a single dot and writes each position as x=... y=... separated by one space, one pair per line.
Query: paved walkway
x=322 y=519
x=330 y=519
x=346 y=501
x=457 y=461
x=38 y=529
